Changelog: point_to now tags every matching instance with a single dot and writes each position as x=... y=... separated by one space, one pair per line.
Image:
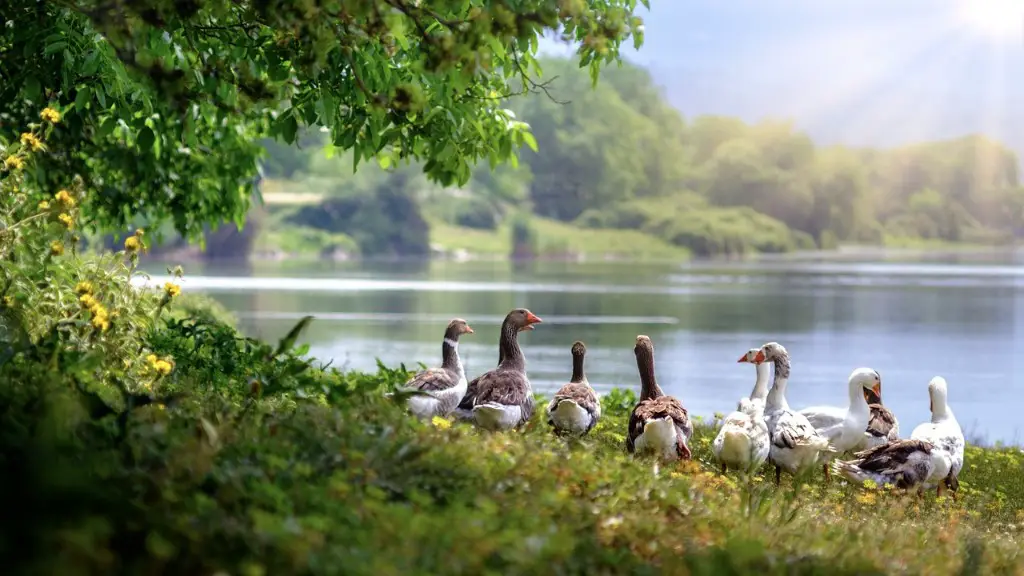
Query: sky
x=856 y=72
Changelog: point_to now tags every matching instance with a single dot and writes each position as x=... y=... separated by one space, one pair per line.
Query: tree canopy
x=164 y=101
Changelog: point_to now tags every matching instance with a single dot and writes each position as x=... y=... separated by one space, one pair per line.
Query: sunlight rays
x=1000 y=20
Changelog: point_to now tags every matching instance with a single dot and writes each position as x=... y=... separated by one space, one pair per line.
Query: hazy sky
x=853 y=71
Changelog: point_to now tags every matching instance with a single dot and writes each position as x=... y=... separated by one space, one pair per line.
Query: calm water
x=908 y=321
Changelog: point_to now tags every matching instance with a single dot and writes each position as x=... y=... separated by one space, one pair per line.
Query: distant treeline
x=619 y=156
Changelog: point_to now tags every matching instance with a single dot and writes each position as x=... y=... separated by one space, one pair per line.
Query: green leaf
x=288 y=127
x=146 y=138
x=82 y=98
x=107 y=127
x=288 y=342
x=529 y=139
x=384 y=161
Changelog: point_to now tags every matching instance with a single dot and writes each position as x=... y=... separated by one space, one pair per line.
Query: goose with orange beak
x=502 y=398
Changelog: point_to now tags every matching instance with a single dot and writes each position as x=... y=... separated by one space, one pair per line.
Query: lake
x=909 y=321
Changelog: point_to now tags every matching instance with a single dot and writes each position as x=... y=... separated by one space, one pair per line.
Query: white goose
x=932 y=457
x=844 y=427
x=945 y=434
x=743 y=441
x=795 y=444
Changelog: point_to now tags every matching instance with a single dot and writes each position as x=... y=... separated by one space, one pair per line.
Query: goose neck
x=509 y=353
x=760 y=391
x=649 y=388
x=577 y=369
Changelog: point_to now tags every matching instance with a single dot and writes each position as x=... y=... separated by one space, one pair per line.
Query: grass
x=558 y=239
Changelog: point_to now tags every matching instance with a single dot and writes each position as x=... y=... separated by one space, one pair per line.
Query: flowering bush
x=85 y=307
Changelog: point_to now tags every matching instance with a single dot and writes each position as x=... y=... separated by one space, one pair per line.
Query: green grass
x=558 y=239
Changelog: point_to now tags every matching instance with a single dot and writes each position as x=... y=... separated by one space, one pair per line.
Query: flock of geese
x=762 y=428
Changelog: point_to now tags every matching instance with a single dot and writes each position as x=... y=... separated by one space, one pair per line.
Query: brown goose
x=444 y=386
x=882 y=426
x=659 y=423
x=904 y=463
x=502 y=399
x=575 y=409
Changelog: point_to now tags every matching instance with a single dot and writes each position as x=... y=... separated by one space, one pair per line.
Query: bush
x=476 y=213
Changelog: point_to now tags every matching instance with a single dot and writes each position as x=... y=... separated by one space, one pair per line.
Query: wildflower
x=441 y=423
x=87 y=301
x=29 y=139
x=56 y=248
x=65 y=199
x=8 y=301
x=132 y=244
x=162 y=367
x=13 y=163
x=867 y=498
x=171 y=290
x=50 y=115
x=151 y=359
x=139 y=233
x=100 y=322
x=67 y=221
x=44 y=205
x=83 y=287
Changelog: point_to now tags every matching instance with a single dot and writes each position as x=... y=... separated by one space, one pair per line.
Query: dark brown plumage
x=581 y=415
x=507 y=386
x=904 y=463
x=655 y=405
x=882 y=425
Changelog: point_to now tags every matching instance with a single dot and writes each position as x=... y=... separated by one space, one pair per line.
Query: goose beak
x=531 y=319
x=760 y=357
x=468 y=329
x=877 y=389
x=743 y=359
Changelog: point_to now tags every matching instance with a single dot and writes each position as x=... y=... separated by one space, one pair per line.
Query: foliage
x=618 y=157
x=384 y=222
x=172 y=95
x=138 y=435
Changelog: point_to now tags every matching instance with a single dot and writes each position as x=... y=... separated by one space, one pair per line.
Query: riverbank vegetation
x=141 y=433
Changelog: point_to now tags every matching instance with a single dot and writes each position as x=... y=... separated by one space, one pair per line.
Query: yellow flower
x=84 y=287
x=50 y=115
x=87 y=301
x=866 y=498
x=162 y=367
x=13 y=163
x=65 y=198
x=140 y=233
x=101 y=323
x=56 y=248
x=29 y=139
x=172 y=290
x=44 y=205
x=132 y=244
x=67 y=221
x=441 y=423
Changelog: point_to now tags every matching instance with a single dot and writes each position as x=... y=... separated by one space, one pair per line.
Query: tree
x=165 y=100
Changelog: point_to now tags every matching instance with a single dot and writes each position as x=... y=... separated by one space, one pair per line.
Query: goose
x=659 y=424
x=442 y=387
x=944 y=432
x=743 y=439
x=575 y=409
x=932 y=456
x=502 y=398
x=760 y=391
x=844 y=427
x=903 y=463
x=883 y=427
x=795 y=444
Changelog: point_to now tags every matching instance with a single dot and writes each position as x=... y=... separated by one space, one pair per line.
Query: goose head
x=458 y=327
x=937 y=394
x=771 y=352
x=522 y=319
x=865 y=381
x=751 y=356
